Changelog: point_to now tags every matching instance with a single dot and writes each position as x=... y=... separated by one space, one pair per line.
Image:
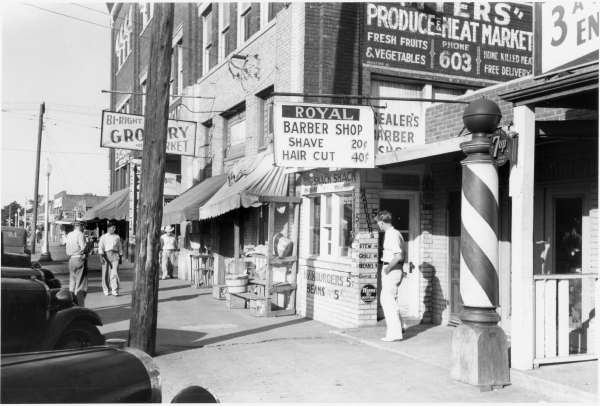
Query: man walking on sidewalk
x=76 y=250
x=110 y=250
x=392 y=260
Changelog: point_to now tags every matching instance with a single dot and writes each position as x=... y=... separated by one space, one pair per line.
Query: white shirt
x=392 y=244
x=75 y=243
x=169 y=242
x=109 y=242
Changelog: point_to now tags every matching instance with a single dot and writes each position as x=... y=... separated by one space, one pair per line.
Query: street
x=241 y=358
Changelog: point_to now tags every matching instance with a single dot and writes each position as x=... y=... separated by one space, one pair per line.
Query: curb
x=558 y=391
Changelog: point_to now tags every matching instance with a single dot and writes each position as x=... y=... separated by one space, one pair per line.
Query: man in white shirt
x=168 y=243
x=392 y=260
x=76 y=251
x=110 y=250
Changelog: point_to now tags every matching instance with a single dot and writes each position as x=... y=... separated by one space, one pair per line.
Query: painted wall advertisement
x=126 y=131
x=492 y=41
x=323 y=136
x=566 y=34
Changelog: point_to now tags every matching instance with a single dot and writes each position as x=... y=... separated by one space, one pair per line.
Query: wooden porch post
x=521 y=187
x=269 y=276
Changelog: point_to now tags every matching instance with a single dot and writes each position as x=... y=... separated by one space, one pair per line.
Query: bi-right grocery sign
x=566 y=34
x=477 y=40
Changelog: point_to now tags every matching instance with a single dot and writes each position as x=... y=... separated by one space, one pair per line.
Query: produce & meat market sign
x=491 y=41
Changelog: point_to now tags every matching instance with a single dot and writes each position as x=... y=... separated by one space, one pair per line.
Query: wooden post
x=37 y=178
x=236 y=240
x=269 y=275
x=521 y=185
x=142 y=327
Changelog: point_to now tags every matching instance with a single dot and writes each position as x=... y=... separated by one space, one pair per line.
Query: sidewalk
x=241 y=358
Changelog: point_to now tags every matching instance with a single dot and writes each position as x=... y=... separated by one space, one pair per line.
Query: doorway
x=404 y=207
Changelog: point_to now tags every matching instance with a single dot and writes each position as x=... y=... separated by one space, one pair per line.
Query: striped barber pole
x=479 y=233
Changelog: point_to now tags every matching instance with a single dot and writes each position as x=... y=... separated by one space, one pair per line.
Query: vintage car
x=103 y=374
x=37 y=318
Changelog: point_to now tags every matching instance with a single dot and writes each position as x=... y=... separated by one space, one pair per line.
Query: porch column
x=521 y=186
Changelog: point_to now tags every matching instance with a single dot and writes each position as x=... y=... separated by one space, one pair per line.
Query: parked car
x=15 y=265
x=93 y=375
x=37 y=318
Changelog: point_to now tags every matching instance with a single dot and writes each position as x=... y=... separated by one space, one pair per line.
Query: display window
x=330 y=230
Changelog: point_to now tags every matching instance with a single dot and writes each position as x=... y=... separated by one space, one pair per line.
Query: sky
x=65 y=63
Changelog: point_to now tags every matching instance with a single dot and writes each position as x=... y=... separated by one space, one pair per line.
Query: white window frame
x=238 y=119
x=224 y=27
x=242 y=10
x=330 y=233
x=147 y=12
x=124 y=105
x=123 y=39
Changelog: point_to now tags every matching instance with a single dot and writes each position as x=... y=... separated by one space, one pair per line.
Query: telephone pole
x=142 y=326
x=37 y=177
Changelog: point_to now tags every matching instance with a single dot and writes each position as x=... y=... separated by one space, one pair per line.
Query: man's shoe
x=389 y=339
x=115 y=293
x=105 y=293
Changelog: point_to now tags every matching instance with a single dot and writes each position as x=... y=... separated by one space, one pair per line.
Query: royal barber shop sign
x=126 y=131
x=476 y=40
x=309 y=135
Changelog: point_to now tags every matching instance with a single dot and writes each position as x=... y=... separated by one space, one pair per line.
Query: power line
x=91 y=9
x=55 y=152
x=67 y=16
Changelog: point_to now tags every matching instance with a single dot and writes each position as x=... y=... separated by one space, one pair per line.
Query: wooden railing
x=565 y=320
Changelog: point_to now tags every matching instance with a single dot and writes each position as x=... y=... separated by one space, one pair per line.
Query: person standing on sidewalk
x=110 y=251
x=76 y=250
x=168 y=243
x=392 y=260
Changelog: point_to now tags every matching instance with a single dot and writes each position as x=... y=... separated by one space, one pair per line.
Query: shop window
x=249 y=19
x=331 y=225
x=275 y=8
x=568 y=241
x=236 y=135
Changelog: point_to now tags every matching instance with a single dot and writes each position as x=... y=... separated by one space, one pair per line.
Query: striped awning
x=114 y=207
x=247 y=181
x=187 y=205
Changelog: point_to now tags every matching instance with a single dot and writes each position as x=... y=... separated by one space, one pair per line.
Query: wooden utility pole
x=142 y=327
x=37 y=177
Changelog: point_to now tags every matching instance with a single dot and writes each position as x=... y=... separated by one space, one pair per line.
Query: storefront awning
x=248 y=181
x=114 y=207
x=187 y=205
x=421 y=151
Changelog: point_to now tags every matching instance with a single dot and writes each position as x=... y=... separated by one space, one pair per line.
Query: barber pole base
x=480 y=353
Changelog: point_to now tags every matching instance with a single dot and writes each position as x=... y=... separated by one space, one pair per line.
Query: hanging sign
x=126 y=131
x=477 y=40
x=566 y=34
x=323 y=136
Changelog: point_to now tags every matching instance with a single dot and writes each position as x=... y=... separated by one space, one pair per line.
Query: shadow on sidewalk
x=413 y=331
x=169 y=341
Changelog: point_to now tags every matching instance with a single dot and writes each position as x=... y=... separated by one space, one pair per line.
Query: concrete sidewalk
x=241 y=358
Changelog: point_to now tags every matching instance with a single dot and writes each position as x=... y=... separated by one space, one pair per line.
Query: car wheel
x=79 y=335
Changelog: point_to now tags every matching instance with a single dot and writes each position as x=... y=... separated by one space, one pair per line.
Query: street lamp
x=45 y=255
x=479 y=345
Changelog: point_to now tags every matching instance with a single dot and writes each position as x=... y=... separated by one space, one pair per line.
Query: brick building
x=243 y=56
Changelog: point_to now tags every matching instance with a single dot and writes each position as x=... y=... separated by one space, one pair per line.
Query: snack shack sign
x=323 y=136
x=126 y=131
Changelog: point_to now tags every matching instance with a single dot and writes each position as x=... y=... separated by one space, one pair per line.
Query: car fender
x=59 y=322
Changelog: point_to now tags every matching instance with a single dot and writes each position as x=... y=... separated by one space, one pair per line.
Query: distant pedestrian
x=168 y=243
x=76 y=250
x=392 y=260
x=111 y=252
